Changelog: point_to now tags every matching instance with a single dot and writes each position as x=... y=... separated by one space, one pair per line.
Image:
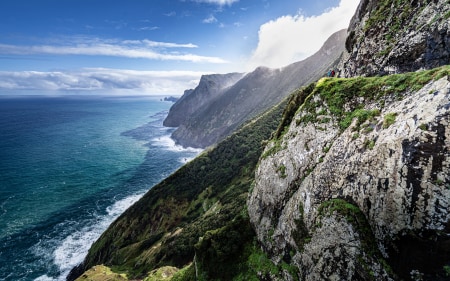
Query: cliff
x=253 y=94
x=388 y=37
x=356 y=186
x=354 y=183
x=209 y=88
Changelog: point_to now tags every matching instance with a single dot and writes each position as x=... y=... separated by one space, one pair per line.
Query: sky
x=154 y=47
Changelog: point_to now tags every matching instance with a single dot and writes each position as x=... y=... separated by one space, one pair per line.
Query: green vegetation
x=199 y=211
x=402 y=15
x=201 y=199
x=185 y=274
x=161 y=274
x=282 y=170
x=294 y=101
x=341 y=95
x=102 y=273
x=447 y=270
x=361 y=114
x=370 y=144
x=389 y=119
x=447 y=15
x=356 y=218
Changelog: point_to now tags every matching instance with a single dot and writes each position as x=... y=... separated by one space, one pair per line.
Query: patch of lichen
x=357 y=219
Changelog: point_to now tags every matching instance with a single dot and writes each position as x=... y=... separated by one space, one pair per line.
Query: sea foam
x=72 y=250
x=167 y=143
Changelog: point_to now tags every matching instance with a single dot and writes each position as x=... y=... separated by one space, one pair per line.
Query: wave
x=167 y=143
x=73 y=248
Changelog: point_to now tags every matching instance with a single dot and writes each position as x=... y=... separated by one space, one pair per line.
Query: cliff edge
x=387 y=37
x=356 y=186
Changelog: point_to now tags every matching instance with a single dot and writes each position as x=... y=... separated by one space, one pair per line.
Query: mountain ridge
x=345 y=179
x=209 y=88
x=252 y=94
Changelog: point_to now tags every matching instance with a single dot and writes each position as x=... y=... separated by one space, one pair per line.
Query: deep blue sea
x=68 y=167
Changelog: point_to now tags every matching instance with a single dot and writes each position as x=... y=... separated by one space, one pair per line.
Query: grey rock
x=403 y=36
x=250 y=96
x=401 y=184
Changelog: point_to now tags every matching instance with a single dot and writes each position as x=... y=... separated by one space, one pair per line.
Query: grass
x=389 y=119
x=340 y=96
x=282 y=170
x=102 y=273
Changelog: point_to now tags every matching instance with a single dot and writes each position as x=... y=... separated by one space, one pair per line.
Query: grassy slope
x=204 y=195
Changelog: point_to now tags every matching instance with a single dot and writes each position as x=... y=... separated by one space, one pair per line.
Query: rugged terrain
x=357 y=185
x=209 y=88
x=215 y=118
x=346 y=179
x=388 y=37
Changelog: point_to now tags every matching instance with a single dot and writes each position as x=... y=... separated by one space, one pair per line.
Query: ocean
x=68 y=167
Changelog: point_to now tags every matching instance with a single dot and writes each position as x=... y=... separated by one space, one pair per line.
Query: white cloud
x=292 y=38
x=148 y=28
x=100 y=80
x=144 y=49
x=210 y=19
x=217 y=2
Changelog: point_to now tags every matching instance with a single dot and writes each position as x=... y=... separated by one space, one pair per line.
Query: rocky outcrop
x=358 y=185
x=388 y=37
x=250 y=96
x=209 y=88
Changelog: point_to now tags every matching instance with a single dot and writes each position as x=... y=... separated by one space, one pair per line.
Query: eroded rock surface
x=388 y=37
x=396 y=172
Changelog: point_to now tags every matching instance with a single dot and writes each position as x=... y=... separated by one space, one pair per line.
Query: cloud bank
x=142 y=49
x=217 y=2
x=99 y=81
x=292 y=38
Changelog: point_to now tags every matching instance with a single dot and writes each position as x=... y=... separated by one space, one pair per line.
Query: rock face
x=358 y=185
x=248 y=97
x=209 y=88
x=397 y=36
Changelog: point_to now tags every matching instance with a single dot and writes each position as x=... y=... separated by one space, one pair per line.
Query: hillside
x=345 y=190
x=345 y=179
x=204 y=196
x=256 y=92
x=209 y=88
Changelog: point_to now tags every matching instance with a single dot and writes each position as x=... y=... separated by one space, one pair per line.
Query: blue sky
x=154 y=46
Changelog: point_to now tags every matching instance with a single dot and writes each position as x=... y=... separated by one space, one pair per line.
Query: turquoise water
x=68 y=167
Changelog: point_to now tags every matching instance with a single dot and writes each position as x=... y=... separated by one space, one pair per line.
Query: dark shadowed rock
x=209 y=88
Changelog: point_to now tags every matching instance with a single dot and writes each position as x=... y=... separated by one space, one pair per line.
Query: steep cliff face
x=397 y=36
x=253 y=94
x=209 y=88
x=356 y=186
